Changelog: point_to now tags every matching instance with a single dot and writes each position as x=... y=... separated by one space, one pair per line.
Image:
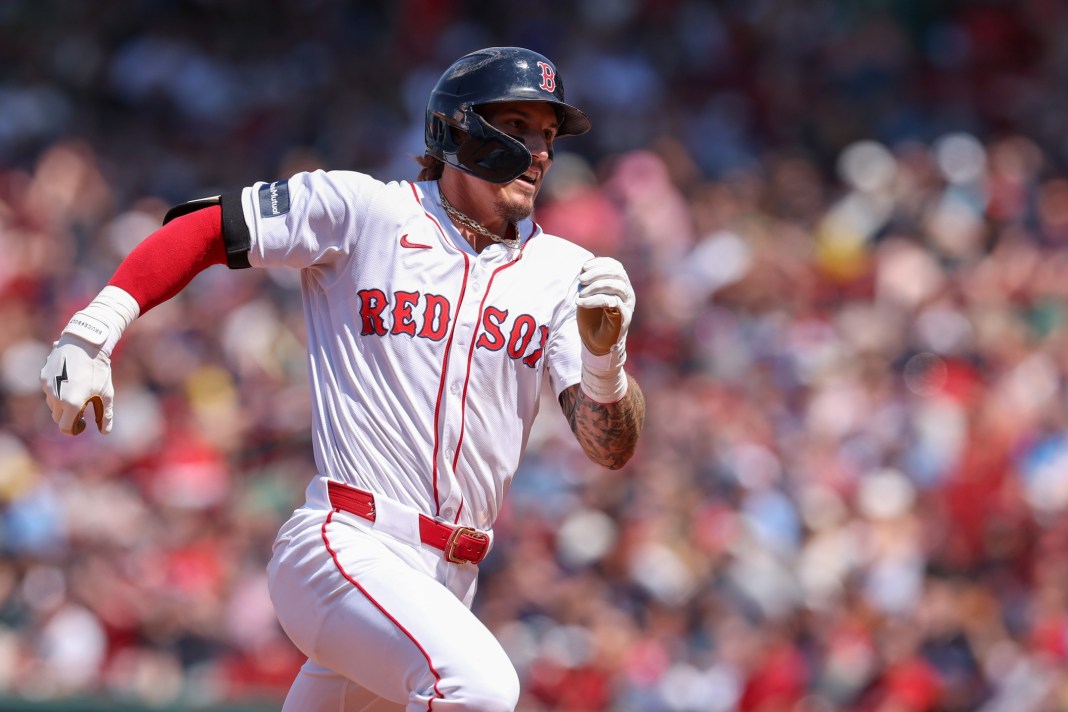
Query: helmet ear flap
x=441 y=136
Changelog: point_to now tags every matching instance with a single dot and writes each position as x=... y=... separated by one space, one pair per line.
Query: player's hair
x=430 y=168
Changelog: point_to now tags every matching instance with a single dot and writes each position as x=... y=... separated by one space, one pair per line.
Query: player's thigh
x=352 y=605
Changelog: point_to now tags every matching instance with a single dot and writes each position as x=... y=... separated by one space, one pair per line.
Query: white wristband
x=603 y=377
x=103 y=320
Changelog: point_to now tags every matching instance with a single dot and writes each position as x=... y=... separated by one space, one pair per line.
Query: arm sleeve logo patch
x=274 y=199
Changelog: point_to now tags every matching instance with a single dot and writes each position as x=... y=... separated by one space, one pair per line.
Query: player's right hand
x=605 y=304
x=76 y=374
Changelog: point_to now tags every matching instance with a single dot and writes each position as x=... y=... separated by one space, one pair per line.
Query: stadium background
x=847 y=224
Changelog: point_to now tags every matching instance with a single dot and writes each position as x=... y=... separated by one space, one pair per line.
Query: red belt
x=460 y=544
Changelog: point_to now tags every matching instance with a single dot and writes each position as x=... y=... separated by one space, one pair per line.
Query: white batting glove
x=78 y=370
x=605 y=304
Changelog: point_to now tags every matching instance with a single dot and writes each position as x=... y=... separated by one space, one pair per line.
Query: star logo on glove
x=61 y=379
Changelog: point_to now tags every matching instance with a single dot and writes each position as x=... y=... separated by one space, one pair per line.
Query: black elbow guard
x=191 y=207
x=235 y=231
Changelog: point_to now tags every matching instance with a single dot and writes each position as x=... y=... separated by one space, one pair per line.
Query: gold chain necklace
x=459 y=217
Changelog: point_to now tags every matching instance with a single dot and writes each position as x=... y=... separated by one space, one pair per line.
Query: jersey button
x=455 y=389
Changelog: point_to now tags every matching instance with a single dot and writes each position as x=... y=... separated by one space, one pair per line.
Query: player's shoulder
x=554 y=247
x=345 y=181
x=339 y=179
x=352 y=189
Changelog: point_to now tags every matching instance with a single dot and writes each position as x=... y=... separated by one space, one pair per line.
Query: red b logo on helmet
x=548 y=77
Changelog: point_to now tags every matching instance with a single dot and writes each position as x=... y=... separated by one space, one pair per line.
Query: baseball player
x=434 y=309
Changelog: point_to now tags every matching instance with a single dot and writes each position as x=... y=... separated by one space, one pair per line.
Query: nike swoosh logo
x=405 y=242
x=61 y=379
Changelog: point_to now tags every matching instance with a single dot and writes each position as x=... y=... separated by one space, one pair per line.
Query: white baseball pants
x=385 y=624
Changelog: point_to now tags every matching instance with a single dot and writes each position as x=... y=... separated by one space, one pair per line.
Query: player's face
x=534 y=124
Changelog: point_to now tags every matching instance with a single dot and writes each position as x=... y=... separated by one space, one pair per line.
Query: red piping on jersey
x=471 y=357
x=534 y=227
x=444 y=364
x=383 y=611
x=441 y=388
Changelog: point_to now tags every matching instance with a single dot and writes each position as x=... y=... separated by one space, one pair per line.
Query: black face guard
x=485 y=152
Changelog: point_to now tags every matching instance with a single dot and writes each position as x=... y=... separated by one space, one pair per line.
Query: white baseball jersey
x=425 y=359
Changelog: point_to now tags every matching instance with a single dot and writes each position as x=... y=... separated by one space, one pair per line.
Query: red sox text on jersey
x=402 y=315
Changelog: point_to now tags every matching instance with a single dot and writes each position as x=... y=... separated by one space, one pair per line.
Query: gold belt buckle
x=450 y=545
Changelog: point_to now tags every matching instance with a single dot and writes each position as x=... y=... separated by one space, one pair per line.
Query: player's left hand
x=605 y=305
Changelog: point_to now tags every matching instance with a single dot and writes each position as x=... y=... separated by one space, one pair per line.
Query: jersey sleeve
x=310 y=219
x=564 y=350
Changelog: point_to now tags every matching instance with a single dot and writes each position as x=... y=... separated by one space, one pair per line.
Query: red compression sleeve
x=168 y=259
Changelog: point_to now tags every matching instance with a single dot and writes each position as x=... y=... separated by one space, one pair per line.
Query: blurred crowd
x=847 y=225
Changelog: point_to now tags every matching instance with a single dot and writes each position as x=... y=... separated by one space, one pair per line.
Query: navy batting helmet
x=489 y=76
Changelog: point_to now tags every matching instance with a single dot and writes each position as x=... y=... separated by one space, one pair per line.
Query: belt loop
x=396 y=520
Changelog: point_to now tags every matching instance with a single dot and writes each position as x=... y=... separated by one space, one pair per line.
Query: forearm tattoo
x=608 y=434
